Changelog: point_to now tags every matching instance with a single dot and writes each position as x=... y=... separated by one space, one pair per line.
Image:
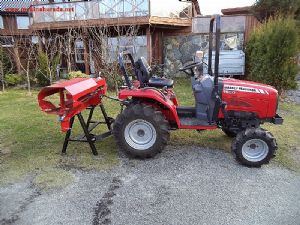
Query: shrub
x=76 y=74
x=13 y=79
x=43 y=71
x=46 y=68
x=113 y=75
x=263 y=9
x=271 y=52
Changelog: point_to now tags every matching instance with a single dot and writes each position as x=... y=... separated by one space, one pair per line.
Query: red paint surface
x=74 y=95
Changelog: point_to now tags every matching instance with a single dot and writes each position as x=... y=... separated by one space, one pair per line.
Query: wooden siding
x=123 y=21
x=251 y=23
x=170 y=21
x=10 y=27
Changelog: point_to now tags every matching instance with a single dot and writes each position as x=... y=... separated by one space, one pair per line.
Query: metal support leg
x=87 y=134
x=67 y=137
x=106 y=118
x=90 y=117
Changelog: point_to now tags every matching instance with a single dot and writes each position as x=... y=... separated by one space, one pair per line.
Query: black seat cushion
x=160 y=82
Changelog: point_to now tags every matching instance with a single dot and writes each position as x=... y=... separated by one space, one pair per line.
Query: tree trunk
x=69 y=55
x=2 y=75
x=86 y=55
x=28 y=77
x=17 y=59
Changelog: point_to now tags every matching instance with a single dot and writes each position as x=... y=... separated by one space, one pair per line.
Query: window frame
x=77 y=60
x=1 y=22
x=23 y=27
x=8 y=45
x=117 y=44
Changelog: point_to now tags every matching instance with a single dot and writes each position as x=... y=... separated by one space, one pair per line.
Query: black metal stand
x=87 y=136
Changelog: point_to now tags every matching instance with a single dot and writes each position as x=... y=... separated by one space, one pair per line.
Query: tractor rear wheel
x=254 y=147
x=141 y=131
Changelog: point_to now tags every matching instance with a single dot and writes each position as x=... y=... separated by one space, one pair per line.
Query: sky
x=209 y=7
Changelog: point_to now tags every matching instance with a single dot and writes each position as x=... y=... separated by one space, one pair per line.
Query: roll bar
x=216 y=18
x=122 y=66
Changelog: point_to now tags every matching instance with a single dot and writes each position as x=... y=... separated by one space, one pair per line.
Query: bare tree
x=27 y=50
x=23 y=52
x=6 y=65
x=105 y=50
x=2 y=69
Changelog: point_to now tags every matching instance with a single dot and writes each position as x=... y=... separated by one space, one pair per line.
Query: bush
x=13 y=79
x=113 y=75
x=263 y=9
x=76 y=74
x=271 y=52
x=43 y=71
x=46 y=68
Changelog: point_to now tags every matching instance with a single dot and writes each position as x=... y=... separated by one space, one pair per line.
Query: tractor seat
x=145 y=77
x=159 y=82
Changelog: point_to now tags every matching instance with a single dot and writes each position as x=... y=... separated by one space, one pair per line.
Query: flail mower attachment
x=75 y=96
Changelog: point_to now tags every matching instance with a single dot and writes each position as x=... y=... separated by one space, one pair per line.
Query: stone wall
x=180 y=50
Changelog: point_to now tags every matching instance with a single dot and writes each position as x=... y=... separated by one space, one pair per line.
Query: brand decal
x=231 y=89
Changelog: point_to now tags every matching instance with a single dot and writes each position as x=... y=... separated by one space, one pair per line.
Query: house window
x=1 y=23
x=6 y=41
x=79 y=51
x=137 y=45
x=23 y=22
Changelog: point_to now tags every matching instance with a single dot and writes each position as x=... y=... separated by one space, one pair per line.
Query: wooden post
x=149 y=45
x=86 y=56
x=157 y=47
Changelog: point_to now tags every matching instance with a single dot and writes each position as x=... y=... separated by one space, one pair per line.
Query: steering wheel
x=190 y=67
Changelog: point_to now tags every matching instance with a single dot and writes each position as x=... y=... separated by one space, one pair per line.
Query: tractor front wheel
x=141 y=131
x=254 y=147
x=230 y=133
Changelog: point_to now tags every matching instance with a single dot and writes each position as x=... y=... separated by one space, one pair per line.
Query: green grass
x=53 y=178
x=31 y=141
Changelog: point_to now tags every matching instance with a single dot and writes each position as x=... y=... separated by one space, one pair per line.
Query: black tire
x=259 y=140
x=147 y=116
x=230 y=133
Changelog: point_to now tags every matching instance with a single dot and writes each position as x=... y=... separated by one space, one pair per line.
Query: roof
x=237 y=11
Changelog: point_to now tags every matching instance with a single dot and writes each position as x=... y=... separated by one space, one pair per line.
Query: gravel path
x=183 y=185
x=294 y=95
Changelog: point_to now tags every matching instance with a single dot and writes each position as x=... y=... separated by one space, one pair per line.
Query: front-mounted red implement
x=74 y=96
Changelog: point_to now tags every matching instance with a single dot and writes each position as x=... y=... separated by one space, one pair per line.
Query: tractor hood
x=231 y=84
x=250 y=96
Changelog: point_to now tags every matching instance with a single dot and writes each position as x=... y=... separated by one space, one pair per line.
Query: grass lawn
x=31 y=141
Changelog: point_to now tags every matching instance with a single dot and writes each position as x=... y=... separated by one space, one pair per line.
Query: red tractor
x=238 y=107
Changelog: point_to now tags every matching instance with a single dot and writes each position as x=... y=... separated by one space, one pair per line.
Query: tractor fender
x=155 y=98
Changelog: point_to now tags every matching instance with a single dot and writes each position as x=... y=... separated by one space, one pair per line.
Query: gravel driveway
x=183 y=185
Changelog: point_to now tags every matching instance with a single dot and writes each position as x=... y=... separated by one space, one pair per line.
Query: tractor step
x=185 y=111
x=192 y=121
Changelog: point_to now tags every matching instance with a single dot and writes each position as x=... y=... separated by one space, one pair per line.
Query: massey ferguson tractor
x=238 y=107
x=142 y=129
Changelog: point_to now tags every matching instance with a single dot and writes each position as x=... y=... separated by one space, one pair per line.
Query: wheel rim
x=140 y=134
x=255 y=150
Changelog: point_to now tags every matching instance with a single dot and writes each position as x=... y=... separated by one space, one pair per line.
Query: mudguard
x=156 y=97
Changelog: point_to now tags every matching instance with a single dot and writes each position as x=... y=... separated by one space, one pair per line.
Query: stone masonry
x=180 y=50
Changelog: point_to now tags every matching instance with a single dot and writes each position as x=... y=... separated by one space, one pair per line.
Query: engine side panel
x=246 y=96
